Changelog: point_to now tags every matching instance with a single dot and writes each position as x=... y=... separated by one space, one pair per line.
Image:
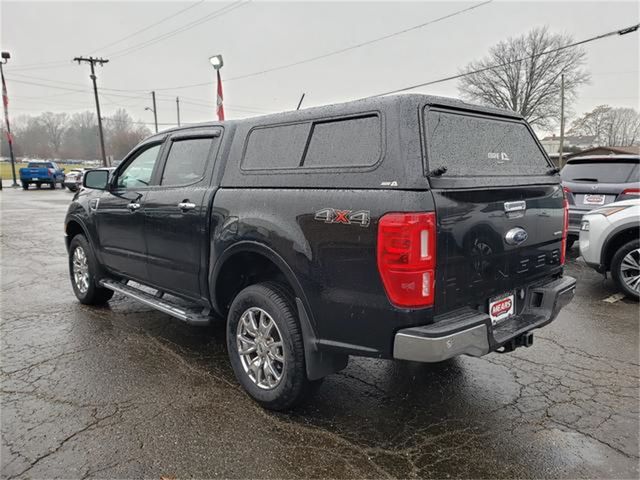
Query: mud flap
x=319 y=364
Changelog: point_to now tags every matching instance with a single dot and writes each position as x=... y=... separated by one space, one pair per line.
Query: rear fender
x=318 y=363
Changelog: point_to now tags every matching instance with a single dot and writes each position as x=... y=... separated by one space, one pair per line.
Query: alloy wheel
x=260 y=348
x=80 y=270
x=630 y=270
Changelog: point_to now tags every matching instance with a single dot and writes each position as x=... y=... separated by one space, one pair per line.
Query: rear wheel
x=265 y=346
x=38 y=185
x=625 y=268
x=83 y=268
x=52 y=185
x=25 y=186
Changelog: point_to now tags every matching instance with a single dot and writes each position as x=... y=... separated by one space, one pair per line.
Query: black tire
x=277 y=300
x=617 y=267
x=52 y=185
x=38 y=185
x=93 y=295
x=570 y=241
x=25 y=186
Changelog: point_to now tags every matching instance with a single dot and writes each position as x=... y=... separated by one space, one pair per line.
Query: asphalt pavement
x=124 y=391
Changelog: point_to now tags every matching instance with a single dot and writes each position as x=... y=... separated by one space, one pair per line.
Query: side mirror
x=96 y=179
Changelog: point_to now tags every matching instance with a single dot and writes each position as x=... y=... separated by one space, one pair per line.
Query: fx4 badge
x=347 y=217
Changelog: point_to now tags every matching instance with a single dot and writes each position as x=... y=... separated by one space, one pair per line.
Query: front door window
x=138 y=173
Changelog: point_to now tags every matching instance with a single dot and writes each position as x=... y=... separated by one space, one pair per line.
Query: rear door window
x=604 y=171
x=474 y=145
x=186 y=161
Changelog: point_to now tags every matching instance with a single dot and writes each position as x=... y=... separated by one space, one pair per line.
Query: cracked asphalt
x=128 y=392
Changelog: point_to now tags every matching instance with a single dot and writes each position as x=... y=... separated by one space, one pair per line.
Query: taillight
x=565 y=228
x=631 y=191
x=51 y=172
x=567 y=194
x=407 y=257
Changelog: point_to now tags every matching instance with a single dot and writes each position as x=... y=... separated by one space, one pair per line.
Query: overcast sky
x=253 y=36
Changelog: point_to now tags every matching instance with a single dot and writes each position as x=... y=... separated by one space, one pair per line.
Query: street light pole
x=178 y=109
x=5 y=101
x=155 y=110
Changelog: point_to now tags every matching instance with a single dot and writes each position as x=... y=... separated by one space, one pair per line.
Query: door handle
x=184 y=206
x=133 y=206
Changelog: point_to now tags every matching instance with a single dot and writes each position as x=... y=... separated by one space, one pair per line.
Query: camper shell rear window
x=471 y=145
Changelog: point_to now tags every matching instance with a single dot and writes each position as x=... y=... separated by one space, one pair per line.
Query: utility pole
x=178 y=109
x=92 y=61
x=560 y=159
x=155 y=110
x=5 y=101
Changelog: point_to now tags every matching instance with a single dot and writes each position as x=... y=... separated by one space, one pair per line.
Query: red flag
x=5 y=103
x=219 y=100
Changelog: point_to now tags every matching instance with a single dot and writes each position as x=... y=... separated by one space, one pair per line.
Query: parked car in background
x=610 y=242
x=39 y=173
x=73 y=179
x=597 y=180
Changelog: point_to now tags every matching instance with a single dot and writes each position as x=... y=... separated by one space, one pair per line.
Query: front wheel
x=625 y=268
x=83 y=268
x=265 y=346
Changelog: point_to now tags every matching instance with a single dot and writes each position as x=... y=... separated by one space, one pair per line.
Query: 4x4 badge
x=346 y=217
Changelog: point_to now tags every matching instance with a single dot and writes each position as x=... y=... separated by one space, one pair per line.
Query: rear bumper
x=469 y=332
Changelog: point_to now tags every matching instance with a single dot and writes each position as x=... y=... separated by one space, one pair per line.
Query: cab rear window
x=474 y=145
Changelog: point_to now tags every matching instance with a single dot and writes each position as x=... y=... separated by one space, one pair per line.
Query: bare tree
x=525 y=79
x=54 y=124
x=593 y=123
x=123 y=133
x=611 y=126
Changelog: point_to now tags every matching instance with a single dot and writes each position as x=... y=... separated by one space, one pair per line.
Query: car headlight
x=606 y=211
x=584 y=226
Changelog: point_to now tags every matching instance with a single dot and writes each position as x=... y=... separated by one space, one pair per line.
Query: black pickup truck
x=408 y=227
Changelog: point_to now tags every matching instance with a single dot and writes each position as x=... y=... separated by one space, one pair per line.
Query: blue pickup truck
x=41 y=172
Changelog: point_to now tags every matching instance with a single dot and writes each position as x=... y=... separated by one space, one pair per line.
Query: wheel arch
x=75 y=226
x=234 y=258
x=615 y=240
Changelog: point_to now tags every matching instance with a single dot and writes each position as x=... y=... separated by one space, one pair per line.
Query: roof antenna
x=300 y=102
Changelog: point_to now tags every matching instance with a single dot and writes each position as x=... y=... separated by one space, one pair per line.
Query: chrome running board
x=192 y=316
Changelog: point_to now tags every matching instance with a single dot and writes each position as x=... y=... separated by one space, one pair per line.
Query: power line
x=339 y=51
x=622 y=31
x=137 y=32
x=217 y=13
x=60 y=63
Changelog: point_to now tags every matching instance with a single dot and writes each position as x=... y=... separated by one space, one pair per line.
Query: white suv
x=610 y=241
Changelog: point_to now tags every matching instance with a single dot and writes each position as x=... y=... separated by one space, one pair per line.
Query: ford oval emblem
x=516 y=236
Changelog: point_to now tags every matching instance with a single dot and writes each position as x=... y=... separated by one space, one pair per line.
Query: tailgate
x=32 y=173
x=485 y=251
